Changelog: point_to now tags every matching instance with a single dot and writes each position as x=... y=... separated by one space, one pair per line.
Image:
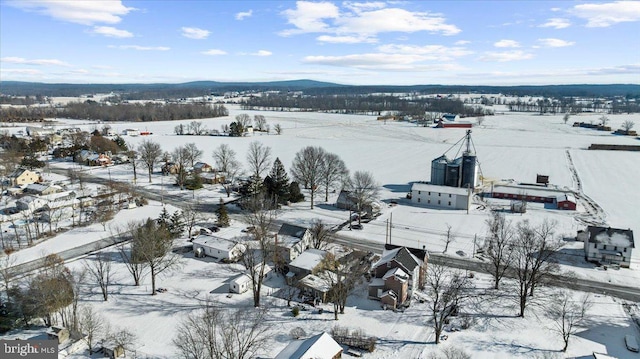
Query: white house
x=321 y=346
x=243 y=282
x=306 y=262
x=218 y=248
x=291 y=241
x=607 y=245
x=445 y=197
x=131 y=132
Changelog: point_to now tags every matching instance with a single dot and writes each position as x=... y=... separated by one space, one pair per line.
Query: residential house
x=291 y=241
x=201 y=167
x=23 y=176
x=399 y=271
x=170 y=168
x=607 y=245
x=317 y=286
x=212 y=177
x=346 y=200
x=306 y=263
x=450 y=117
x=60 y=334
x=243 y=282
x=30 y=203
x=445 y=197
x=321 y=346
x=225 y=245
x=42 y=189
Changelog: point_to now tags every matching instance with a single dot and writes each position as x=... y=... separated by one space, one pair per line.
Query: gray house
x=607 y=245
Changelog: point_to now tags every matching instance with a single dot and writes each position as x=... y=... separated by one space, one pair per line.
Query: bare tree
x=448 y=237
x=321 y=234
x=196 y=128
x=480 y=120
x=150 y=153
x=499 y=246
x=340 y=277
x=244 y=120
x=278 y=129
x=565 y=118
x=213 y=333
x=100 y=269
x=189 y=217
x=567 y=314
x=193 y=153
x=7 y=273
x=533 y=258
x=258 y=158
x=628 y=125
x=261 y=217
x=604 y=120
x=135 y=266
x=334 y=173
x=123 y=338
x=307 y=168
x=92 y=326
x=450 y=352
x=447 y=289
x=152 y=244
x=259 y=122
x=224 y=157
x=297 y=333
x=181 y=157
x=364 y=190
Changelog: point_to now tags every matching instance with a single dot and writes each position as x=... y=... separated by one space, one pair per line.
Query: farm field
x=510 y=146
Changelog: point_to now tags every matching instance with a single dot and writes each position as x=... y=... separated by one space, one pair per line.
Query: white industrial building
x=446 y=197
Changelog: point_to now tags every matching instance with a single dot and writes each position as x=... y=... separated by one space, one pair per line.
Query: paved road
x=624 y=292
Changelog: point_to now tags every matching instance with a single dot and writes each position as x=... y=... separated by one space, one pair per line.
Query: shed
x=566 y=201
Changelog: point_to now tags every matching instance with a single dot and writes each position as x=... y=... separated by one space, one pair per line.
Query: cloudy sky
x=348 y=42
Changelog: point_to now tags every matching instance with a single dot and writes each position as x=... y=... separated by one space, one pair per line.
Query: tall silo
x=452 y=178
x=469 y=170
x=439 y=170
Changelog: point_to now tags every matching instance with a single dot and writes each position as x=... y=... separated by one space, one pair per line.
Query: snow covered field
x=510 y=146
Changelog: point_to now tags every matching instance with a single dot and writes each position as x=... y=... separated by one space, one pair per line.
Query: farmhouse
x=321 y=346
x=397 y=273
x=607 y=245
x=424 y=194
x=450 y=117
x=225 y=245
x=291 y=241
x=23 y=176
x=535 y=193
x=201 y=167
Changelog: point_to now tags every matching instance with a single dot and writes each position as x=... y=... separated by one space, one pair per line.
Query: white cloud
x=462 y=42
x=309 y=17
x=142 y=48
x=507 y=43
x=506 y=56
x=195 y=33
x=381 y=62
x=427 y=52
x=110 y=31
x=607 y=14
x=214 y=52
x=555 y=42
x=21 y=71
x=243 y=15
x=346 y=39
x=80 y=12
x=39 y=62
x=556 y=23
x=262 y=53
x=361 y=21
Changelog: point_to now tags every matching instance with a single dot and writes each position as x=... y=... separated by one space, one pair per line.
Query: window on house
x=449 y=202
x=438 y=201
x=449 y=195
x=428 y=201
x=624 y=250
x=439 y=194
x=419 y=192
x=429 y=193
x=418 y=199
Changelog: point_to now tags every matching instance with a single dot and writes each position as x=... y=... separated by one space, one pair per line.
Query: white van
x=631 y=343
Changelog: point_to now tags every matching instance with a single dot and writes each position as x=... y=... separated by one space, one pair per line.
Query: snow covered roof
x=398 y=273
x=402 y=255
x=425 y=187
x=321 y=282
x=321 y=346
x=616 y=237
x=308 y=259
x=214 y=242
x=566 y=197
x=528 y=190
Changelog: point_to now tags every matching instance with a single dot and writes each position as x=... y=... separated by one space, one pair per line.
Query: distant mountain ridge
x=200 y=88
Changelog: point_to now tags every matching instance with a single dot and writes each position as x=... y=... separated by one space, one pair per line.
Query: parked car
x=631 y=343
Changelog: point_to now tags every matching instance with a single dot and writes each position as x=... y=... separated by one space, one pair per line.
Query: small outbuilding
x=566 y=201
x=219 y=248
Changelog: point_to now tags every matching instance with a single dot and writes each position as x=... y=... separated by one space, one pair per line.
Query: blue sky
x=349 y=42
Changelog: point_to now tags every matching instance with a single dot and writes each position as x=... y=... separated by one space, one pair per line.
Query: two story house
x=607 y=245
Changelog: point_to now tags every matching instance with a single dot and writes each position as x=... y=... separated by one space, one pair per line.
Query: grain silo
x=452 y=178
x=439 y=170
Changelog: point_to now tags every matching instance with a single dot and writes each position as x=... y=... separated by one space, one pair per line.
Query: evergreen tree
x=277 y=183
x=164 y=217
x=176 y=226
x=223 y=216
x=294 y=193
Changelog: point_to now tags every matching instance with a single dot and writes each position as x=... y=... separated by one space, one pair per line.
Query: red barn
x=566 y=201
